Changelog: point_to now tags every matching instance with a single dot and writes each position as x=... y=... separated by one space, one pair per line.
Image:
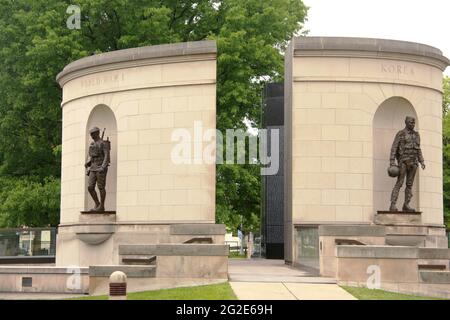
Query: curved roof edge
x=305 y=43
x=133 y=54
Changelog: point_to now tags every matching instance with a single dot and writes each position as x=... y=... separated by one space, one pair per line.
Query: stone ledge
x=130 y=271
x=377 y=46
x=377 y=252
x=175 y=250
x=41 y=270
x=405 y=240
x=95 y=228
x=434 y=253
x=416 y=230
x=136 y=54
x=197 y=229
x=352 y=230
x=396 y=218
x=94 y=217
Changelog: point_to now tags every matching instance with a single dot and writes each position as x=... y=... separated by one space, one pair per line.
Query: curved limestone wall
x=334 y=88
x=141 y=96
x=151 y=91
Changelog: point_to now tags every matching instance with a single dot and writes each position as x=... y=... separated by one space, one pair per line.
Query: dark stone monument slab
x=272 y=220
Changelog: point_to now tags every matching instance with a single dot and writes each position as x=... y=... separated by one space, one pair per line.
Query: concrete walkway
x=261 y=279
x=37 y=296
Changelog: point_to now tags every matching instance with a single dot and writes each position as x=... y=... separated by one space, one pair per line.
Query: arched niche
x=103 y=117
x=388 y=120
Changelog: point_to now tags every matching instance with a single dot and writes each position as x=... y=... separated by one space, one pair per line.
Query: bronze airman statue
x=406 y=150
x=97 y=167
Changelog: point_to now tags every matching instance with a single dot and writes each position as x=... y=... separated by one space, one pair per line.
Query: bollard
x=118 y=286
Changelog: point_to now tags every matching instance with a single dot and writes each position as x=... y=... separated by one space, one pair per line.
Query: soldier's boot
x=393 y=207
x=94 y=196
x=101 y=206
x=408 y=196
x=394 y=197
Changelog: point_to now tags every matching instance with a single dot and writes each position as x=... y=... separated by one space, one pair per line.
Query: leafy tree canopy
x=36 y=44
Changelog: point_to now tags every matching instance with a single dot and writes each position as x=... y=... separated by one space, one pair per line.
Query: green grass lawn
x=374 y=294
x=220 y=291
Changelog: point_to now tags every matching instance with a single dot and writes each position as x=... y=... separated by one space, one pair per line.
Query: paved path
x=261 y=279
x=37 y=296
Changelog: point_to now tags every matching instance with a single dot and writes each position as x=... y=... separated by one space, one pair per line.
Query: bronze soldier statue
x=406 y=150
x=97 y=167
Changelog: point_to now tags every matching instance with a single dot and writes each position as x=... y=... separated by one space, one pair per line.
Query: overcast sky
x=424 y=21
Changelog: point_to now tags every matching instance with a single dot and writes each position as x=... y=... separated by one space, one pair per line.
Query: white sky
x=423 y=21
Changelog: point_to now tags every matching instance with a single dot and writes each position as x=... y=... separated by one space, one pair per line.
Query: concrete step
x=405 y=240
x=138 y=260
x=436 y=277
x=132 y=271
x=175 y=249
x=198 y=229
x=434 y=253
x=407 y=230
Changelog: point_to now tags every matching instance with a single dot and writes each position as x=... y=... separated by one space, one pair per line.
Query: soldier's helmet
x=94 y=129
x=393 y=171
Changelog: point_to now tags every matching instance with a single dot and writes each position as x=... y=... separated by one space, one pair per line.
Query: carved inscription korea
x=397 y=69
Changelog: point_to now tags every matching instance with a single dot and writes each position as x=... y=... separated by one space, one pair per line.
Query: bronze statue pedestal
x=96 y=227
x=398 y=218
x=403 y=228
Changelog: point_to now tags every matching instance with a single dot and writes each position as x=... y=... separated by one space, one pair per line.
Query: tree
x=446 y=148
x=238 y=197
x=36 y=44
x=27 y=202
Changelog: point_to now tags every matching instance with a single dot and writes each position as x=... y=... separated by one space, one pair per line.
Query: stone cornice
x=129 y=58
x=369 y=48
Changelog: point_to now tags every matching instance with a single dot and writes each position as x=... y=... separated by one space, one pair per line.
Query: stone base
x=399 y=269
x=72 y=249
x=44 y=279
x=406 y=229
x=154 y=256
x=48 y=279
x=398 y=218
x=330 y=236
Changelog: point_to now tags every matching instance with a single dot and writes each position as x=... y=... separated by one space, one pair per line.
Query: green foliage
x=238 y=196
x=27 y=202
x=446 y=149
x=446 y=97
x=36 y=44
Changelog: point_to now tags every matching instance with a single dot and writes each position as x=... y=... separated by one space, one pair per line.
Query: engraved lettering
x=397 y=69
x=102 y=80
